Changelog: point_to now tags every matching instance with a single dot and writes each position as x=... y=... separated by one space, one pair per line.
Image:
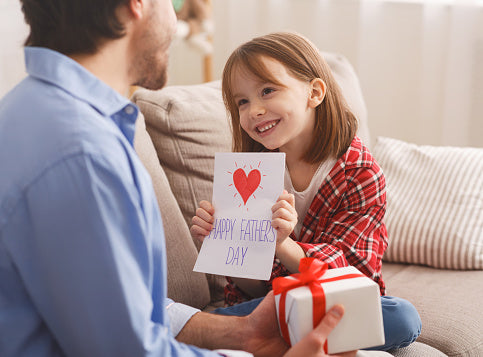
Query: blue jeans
x=402 y=324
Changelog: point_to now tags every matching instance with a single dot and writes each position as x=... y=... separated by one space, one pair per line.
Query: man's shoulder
x=46 y=115
x=35 y=102
x=39 y=130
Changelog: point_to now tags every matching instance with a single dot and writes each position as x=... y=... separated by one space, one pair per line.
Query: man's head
x=72 y=26
x=86 y=27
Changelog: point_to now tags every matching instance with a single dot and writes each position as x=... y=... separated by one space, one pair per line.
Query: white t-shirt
x=304 y=199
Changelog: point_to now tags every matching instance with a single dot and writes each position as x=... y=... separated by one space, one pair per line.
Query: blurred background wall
x=420 y=62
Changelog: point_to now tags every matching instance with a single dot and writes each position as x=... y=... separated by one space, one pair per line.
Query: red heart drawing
x=246 y=186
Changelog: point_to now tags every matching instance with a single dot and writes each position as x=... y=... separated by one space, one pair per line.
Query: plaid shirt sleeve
x=345 y=223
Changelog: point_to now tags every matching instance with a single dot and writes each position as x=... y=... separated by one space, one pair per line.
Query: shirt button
x=129 y=110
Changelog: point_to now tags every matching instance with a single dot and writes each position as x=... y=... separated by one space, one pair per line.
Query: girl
x=282 y=96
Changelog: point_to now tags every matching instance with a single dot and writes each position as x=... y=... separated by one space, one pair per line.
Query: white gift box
x=360 y=327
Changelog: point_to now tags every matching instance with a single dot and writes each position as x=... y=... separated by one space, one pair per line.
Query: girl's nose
x=256 y=110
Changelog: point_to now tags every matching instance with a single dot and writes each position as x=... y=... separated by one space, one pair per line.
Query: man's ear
x=136 y=8
x=130 y=10
x=317 y=92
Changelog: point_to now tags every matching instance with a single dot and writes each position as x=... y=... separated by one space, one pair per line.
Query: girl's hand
x=202 y=223
x=284 y=216
x=284 y=219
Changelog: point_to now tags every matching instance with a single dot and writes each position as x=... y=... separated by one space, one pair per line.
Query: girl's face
x=277 y=116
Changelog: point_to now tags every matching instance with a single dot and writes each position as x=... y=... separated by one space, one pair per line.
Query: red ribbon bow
x=311 y=272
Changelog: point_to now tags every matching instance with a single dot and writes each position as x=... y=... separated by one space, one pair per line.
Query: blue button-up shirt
x=82 y=252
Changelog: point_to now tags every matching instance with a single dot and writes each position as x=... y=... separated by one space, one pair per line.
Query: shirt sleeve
x=179 y=315
x=354 y=233
x=89 y=262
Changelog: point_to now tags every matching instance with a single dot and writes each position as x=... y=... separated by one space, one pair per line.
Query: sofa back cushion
x=348 y=81
x=188 y=124
x=184 y=285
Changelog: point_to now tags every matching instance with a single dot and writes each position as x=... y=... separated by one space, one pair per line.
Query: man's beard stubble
x=153 y=74
x=152 y=63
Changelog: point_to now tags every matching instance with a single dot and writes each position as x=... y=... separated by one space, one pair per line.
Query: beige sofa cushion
x=188 y=125
x=184 y=285
x=417 y=349
x=348 y=81
x=452 y=319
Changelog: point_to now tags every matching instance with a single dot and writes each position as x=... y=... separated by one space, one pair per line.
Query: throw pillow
x=434 y=204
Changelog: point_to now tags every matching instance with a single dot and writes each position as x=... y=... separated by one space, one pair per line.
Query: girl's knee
x=402 y=323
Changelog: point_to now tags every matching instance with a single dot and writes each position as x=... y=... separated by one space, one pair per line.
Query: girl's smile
x=264 y=127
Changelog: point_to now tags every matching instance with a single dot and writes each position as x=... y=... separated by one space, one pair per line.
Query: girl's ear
x=317 y=92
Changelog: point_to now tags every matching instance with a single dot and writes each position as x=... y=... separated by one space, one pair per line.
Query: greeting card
x=242 y=241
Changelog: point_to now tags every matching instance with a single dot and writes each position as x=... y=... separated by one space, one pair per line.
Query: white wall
x=12 y=35
x=419 y=65
x=418 y=62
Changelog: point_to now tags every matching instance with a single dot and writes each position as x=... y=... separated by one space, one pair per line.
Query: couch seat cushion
x=448 y=302
x=417 y=349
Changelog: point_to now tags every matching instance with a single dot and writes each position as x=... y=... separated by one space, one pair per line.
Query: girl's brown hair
x=335 y=124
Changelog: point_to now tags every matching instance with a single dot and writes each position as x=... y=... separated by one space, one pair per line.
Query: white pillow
x=435 y=204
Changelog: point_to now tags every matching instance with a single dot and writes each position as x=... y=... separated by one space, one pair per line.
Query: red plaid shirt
x=344 y=224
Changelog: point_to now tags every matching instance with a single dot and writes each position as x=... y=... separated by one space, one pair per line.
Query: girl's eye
x=266 y=91
x=241 y=102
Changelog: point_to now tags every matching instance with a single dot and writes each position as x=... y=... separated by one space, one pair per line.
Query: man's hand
x=258 y=332
x=265 y=338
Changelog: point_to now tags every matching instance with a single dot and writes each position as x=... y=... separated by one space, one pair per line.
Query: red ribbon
x=311 y=272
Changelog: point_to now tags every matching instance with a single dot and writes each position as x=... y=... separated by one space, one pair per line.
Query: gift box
x=303 y=299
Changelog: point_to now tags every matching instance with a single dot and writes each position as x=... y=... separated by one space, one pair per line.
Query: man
x=82 y=259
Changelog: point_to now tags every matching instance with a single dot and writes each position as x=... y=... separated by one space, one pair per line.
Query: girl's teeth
x=261 y=130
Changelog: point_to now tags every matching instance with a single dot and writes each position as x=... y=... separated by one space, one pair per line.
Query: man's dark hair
x=72 y=26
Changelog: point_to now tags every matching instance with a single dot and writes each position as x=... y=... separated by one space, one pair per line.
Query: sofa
x=434 y=215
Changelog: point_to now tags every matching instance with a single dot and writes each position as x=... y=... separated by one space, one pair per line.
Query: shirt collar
x=63 y=72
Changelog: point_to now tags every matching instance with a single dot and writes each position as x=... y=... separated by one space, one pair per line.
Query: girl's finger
x=283 y=204
x=287 y=196
x=208 y=207
x=284 y=214
x=197 y=221
x=281 y=224
x=204 y=215
x=198 y=233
